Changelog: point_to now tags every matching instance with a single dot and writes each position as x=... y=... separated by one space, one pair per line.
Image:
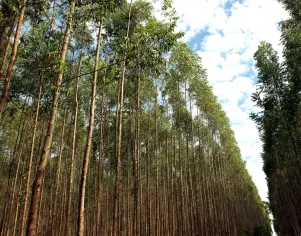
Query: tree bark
x=5 y=51
x=36 y=189
x=157 y=221
x=81 y=214
x=71 y=180
x=57 y=178
x=136 y=159
x=119 y=113
x=8 y=26
x=101 y=160
x=8 y=75
x=23 y=228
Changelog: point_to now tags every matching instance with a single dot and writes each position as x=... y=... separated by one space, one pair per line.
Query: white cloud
x=231 y=92
x=219 y=68
x=247 y=133
x=197 y=15
x=232 y=38
x=234 y=112
x=219 y=20
x=255 y=169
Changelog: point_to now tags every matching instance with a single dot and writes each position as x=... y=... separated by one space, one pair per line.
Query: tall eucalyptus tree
x=148 y=151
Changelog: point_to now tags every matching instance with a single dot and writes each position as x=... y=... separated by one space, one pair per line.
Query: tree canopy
x=110 y=127
x=278 y=97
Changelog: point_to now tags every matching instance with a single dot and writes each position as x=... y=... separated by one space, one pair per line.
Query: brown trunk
x=173 y=170
x=119 y=113
x=36 y=189
x=81 y=214
x=23 y=228
x=164 y=193
x=148 y=184
x=108 y=228
x=157 y=222
x=5 y=52
x=10 y=17
x=7 y=16
x=8 y=75
x=15 y=181
x=57 y=178
x=168 y=194
x=63 y=208
x=101 y=160
x=40 y=208
x=18 y=207
x=12 y=197
x=128 y=197
x=71 y=180
x=136 y=160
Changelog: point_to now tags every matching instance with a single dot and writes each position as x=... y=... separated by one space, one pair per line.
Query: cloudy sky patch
x=226 y=34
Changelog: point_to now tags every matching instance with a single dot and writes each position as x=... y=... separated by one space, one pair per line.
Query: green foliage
x=278 y=99
x=186 y=146
x=258 y=231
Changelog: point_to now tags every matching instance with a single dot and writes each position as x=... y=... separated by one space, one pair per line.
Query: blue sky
x=226 y=34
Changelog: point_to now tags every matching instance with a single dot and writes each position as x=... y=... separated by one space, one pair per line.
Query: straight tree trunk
x=101 y=160
x=81 y=214
x=17 y=208
x=71 y=180
x=149 y=231
x=9 y=15
x=17 y=151
x=5 y=51
x=57 y=177
x=27 y=188
x=128 y=197
x=136 y=159
x=157 y=222
x=119 y=112
x=8 y=75
x=40 y=208
x=36 y=189
x=7 y=26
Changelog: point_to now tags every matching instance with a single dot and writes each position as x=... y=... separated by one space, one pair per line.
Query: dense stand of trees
x=109 y=127
x=278 y=96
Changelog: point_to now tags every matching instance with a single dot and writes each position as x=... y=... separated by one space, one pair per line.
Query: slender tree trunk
x=128 y=205
x=18 y=150
x=57 y=177
x=148 y=181
x=7 y=25
x=81 y=214
x=168 y=195
x=6 y=48
x=8 y=9
x=8 y=75
x=17 y=208
x=119 y=112
x=101 y=160
x=36 y=189
x=71 y=180
x=13 y=196
x=40 y=208
x=157 y=222
x=108 y=228
x=63 y=207
x=136 y=159
x=27 y=188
